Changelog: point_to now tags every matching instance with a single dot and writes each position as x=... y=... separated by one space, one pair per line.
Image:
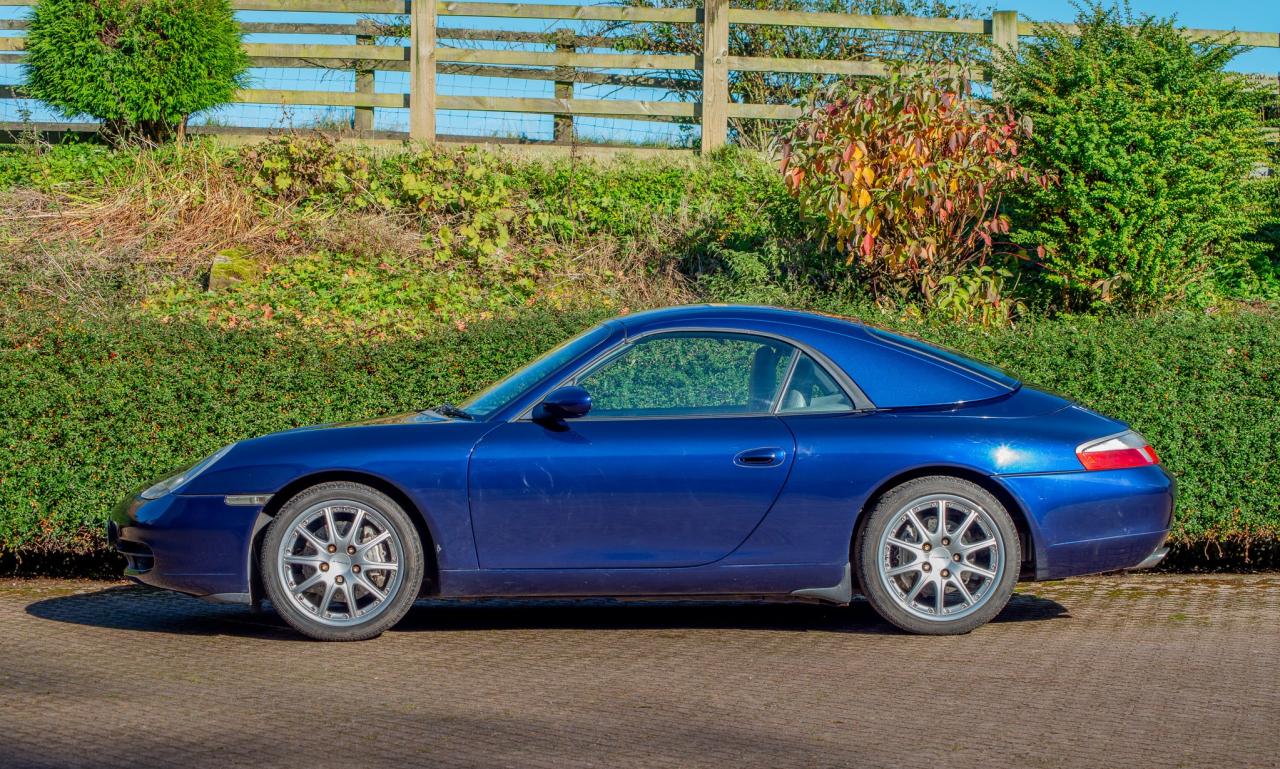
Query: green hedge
x=93 y=408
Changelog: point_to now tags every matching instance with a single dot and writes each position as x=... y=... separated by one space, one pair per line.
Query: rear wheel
x=938 y=555
x=342 y=562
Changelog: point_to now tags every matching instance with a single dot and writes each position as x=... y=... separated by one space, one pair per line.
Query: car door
x=679 y=459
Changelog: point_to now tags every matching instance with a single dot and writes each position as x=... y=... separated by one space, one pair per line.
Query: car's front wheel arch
x=1026 y=532
x=430 y=581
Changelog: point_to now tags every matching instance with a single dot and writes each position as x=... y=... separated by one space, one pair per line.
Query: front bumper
x=198 y=545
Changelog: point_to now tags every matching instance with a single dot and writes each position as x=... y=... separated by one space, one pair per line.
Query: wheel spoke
x=915 y=590
x=312 y=539
x=985 y=544
x=323 y=607
x=981 y=572
x=964 y=526
x=921 y=531
x=964 y=591
x=370 y=588
x=940 y=596
x=309 y=582
x=331 y=526
x=378 y=540
x=942 y=518
x=898 y=571
x=303 y=560
x=381 y=566
x=349 y=595
x=353 y=533
x=910 y=547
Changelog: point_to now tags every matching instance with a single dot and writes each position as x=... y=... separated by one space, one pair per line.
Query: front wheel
x=938 y=556
x=342 y=562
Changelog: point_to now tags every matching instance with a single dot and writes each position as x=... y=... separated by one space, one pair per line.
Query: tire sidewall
x=410 y=582
x=882 y=515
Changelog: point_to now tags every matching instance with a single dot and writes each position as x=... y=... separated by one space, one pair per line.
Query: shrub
x=907 y=175
x=139 y=66
x=1153 y=144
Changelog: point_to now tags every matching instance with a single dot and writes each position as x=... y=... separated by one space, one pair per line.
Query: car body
x=655 y=493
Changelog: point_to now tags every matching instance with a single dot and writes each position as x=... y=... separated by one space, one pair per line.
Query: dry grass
x=170 y=220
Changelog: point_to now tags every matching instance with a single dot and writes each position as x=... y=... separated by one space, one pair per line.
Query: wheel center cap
x=340 y=562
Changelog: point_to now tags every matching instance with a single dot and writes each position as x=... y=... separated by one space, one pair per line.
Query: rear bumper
x=197 y=545
x=1089 y=522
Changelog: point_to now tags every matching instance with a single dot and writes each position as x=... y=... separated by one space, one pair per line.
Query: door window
x=690 y=374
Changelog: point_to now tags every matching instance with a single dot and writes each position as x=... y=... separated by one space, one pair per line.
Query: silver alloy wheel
x=941 y=557
x=340 y=563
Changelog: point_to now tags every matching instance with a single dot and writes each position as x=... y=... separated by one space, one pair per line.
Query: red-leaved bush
x=907 y=172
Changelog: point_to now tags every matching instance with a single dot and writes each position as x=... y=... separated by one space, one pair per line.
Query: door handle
x=766 y=457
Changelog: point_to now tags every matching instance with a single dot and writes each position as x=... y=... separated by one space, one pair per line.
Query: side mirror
x=564 y=403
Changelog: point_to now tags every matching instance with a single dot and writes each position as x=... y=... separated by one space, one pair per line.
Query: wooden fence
x=430 y=53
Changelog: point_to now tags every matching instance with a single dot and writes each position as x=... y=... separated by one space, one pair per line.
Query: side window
x=811 y=388
x=690 y=374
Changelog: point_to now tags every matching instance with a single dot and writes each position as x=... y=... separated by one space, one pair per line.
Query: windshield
x=507 y=390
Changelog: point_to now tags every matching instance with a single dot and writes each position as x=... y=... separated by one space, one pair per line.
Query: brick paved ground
x=1138 y=671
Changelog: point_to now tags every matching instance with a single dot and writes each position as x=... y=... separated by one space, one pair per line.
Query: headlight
x=174 y=481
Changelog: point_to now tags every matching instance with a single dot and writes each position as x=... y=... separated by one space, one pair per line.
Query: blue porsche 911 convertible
x=695 y=451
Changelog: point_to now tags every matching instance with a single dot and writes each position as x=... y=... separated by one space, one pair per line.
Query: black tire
x=941 y=564
x=402 y=590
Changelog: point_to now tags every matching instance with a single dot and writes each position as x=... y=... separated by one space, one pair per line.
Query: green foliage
x=979 y=296
x=95 y=408
x=906 y=175
x=63 y=165
x=1153 y=144
x=140 y=66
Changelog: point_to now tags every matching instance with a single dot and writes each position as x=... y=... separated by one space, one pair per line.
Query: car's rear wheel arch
x=430 y=580
x=1026 y=534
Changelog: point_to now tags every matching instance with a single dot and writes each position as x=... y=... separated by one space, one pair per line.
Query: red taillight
x=1117 y=452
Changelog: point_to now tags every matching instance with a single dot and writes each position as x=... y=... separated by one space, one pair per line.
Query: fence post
x=1004 y=36
x=715 y=74
x=422 y=71
x=363 y=123
x=566 y=42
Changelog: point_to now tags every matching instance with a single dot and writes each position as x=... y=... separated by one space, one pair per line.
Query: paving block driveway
x=1138 y=671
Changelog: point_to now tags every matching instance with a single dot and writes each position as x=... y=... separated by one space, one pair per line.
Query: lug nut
x=355 y=569
x=351 y=549
x=926 y=547
x=324 y=567
x=956 y=558
x=944 y=573
x=945 y=541
x=925 y=567
x=332 y=548
x=339 y=579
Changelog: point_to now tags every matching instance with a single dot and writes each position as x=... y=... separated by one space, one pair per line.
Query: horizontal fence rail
x=434 y=50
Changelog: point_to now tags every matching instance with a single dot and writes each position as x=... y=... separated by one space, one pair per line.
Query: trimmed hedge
x=93 y=408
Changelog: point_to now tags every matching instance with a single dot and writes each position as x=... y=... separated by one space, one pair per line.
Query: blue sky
x=1252 y=15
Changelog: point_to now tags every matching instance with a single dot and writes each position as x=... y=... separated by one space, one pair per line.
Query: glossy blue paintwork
x=622 y=493
x=762 y=504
